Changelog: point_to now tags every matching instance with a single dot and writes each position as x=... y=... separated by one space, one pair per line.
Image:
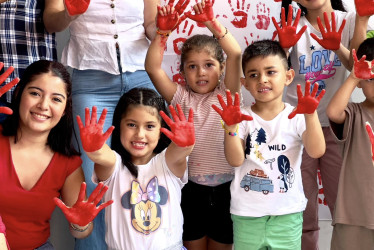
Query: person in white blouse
x=106 y=50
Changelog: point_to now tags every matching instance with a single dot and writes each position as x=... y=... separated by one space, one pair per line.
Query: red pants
x=329 y=165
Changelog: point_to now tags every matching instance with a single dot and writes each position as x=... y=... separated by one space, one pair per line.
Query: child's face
x=43 y=103
x=266 y=77
x=202 y=71
x=367 y=87
x=140 y=132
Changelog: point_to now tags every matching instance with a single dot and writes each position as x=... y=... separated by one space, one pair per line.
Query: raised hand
x=91 y=134
x=182 y=132
x=203 y=12
x=230 y=114
x=76 y=7
x=287 y=34
x=3 y=231
x=7 y=87
x=169 y=17
x=330 y=37
x=83 y=212
x=369 y=130
x=362 y=68
x=364 y=7
x=308 y=103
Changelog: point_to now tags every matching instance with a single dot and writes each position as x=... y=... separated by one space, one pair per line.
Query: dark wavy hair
x=335 y=4
x=263 y=48
x=202 y=43
x=366 y=48
x=137 y=97
x=60 y=136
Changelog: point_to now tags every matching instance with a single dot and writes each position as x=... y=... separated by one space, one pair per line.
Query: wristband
x=75 y=228
x=219 y=38
x=163 y=34
x=228 y=132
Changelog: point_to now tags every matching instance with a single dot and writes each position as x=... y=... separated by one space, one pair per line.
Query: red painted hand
x=307 y=104
x=287 y=34
x=7 y=87
x=2 y=226
x=231 y=114
x=3 y=231
x=203 y=12
x=362 y=68
x=182 y=132
x=83 y=212
x=91 y=134
x=364 y=7
x=76 y=7
x=369 y=130
x=330 y=37
x=168 y=18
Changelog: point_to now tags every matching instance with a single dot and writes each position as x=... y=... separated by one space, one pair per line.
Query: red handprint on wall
x=240 y=14
x=186 y=26
x=177 y=76
x=321 y=196
x=252 y=39
x=263 y=16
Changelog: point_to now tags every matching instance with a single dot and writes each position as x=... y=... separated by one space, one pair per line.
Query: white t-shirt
x=314 y=63
x=146 y=212
x=269 y=181
x=95 y=34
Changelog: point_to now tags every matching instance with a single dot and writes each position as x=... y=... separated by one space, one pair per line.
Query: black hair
x=202 y=43
x=366 y=48
x=335 y=4
x=137 y=97
x=60 y=136
x=263 y=48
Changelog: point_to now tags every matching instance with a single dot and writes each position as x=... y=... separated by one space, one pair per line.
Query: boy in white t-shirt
x=267 y=197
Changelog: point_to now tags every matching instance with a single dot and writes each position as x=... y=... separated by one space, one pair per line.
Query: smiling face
x=202 y=71
x=266 y=77
x=42 y=104
x=140 y=132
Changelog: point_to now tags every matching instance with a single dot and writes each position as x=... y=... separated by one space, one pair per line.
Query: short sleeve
x=74 y=163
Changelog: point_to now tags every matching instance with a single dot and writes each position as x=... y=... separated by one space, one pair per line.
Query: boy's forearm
x=313 y=138
x=338 y=103
x=233 y=147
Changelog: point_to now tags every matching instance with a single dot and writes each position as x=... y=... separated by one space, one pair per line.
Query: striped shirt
x=23 y=38
x=207 y=164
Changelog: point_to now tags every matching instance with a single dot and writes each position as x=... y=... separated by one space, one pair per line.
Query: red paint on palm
x=308 y=103
x=288 y=36
x=364 y=7
x=83 y=212
x=182 y=131
x=7 y=87
x=362 y=68
x=206 y=13
x=91 y=134
x=76 y=7
x=369 y=130
x=231 y=114
x=330 y=37
x=173 y=17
